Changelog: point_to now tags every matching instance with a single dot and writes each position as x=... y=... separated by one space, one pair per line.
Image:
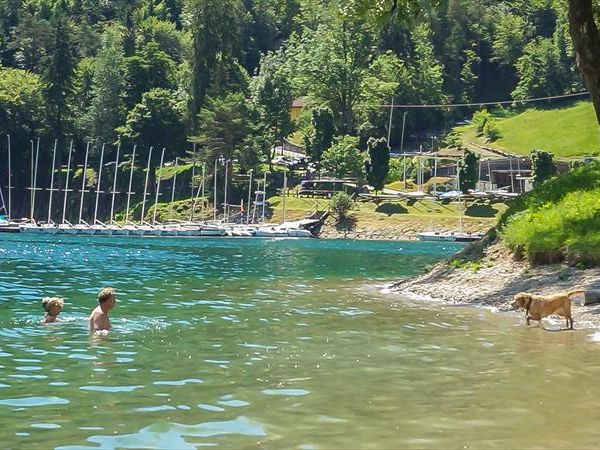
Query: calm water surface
x=273 y=344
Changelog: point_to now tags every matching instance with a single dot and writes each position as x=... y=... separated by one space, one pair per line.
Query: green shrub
x=480 y=118
x=491 y=130
x=340 y=204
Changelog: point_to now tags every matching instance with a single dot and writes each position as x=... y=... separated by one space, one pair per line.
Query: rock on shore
x=497 y=276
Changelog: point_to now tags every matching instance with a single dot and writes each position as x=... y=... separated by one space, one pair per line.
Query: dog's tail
x=578 y=291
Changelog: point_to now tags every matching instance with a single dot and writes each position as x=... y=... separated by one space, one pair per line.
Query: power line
x=503 y=102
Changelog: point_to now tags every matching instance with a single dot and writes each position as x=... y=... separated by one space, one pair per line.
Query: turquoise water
x=247 y=343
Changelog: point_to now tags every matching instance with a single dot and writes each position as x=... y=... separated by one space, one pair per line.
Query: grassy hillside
x=567 y=132
x=560 y=220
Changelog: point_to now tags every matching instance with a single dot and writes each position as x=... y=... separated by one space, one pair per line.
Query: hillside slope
x=567 y=132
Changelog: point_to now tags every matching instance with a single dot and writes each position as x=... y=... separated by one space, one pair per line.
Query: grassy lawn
x=566 y=132
x=396 y=212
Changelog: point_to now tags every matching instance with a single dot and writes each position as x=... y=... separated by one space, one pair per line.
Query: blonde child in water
x=53 y=306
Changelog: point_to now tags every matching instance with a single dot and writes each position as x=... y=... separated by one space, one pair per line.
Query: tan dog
x=539 y=306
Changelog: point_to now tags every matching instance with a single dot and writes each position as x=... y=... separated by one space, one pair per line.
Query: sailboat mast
x=284 y=191
x=146 y=186
x=249 y=197
x=203 y=185
x=162 y=159
x=37 y=155
x=225 y=209
x=130 y=180
x=173 y=190
x=31 y=183
x=215 y=191
x=51 y=190
x=67 y=183
x=114 y=190
x=193 y=197
x=83 y=191
x=9 y=179
x=98 y=184
x=264 y=196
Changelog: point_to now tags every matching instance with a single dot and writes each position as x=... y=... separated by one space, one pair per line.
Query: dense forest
x=223 y=73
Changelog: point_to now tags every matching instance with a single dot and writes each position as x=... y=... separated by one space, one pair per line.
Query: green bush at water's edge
x=559 y=220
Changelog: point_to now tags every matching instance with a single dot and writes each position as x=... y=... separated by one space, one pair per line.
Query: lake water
x=274 y=344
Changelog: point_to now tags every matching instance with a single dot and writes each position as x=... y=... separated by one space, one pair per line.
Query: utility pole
x=390 y=124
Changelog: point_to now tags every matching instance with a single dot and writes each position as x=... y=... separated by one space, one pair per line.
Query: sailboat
x=454 y=235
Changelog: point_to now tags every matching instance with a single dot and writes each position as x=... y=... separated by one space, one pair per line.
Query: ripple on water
x=177 y=382
x=172 y=435
x=46 y=426
x=110 y=388
x=291 y=392
x=27 y=402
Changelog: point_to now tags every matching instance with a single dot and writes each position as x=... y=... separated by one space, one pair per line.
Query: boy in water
x=53 y=306
x=99 y=320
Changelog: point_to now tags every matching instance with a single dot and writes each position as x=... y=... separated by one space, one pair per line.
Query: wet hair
x=105 y=295
x=48 y=302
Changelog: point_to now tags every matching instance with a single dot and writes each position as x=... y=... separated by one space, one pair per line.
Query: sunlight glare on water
x=253 y=343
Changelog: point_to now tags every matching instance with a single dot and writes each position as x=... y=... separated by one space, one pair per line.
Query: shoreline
x=392 y=231
x=494 y=279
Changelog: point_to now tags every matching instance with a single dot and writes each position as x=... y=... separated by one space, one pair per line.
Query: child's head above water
x=53 y=305
x=107 y=298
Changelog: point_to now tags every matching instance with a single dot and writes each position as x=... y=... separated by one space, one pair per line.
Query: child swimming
x=99 y=321
x=53 y=306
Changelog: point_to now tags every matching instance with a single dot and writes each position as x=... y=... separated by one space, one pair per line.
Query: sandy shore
x=493 y=280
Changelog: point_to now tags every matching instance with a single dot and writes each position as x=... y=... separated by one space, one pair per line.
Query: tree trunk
x=586 y=40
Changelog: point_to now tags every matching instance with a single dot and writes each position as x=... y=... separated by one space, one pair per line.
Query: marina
x=147 y=225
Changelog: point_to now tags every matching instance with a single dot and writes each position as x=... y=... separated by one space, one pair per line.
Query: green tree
x=543 y=166
x=468 y=171
x=468 y=75
x=215 y=27
x=165 y=34
x=378 y=164
x=106 y=111
x=150 y=68
x=272 y=94
x=21 y=103
x=224 y=126
x=156 y=121
x=30 y=40
x=537 y=70
x=321 y=135
x=343 y=158
x=58 y=67
x=331 y=64
x=512 y=32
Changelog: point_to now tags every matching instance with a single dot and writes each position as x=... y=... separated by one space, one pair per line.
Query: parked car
x=281 y=160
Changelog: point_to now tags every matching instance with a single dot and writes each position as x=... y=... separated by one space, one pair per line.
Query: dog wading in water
x=539 y=306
